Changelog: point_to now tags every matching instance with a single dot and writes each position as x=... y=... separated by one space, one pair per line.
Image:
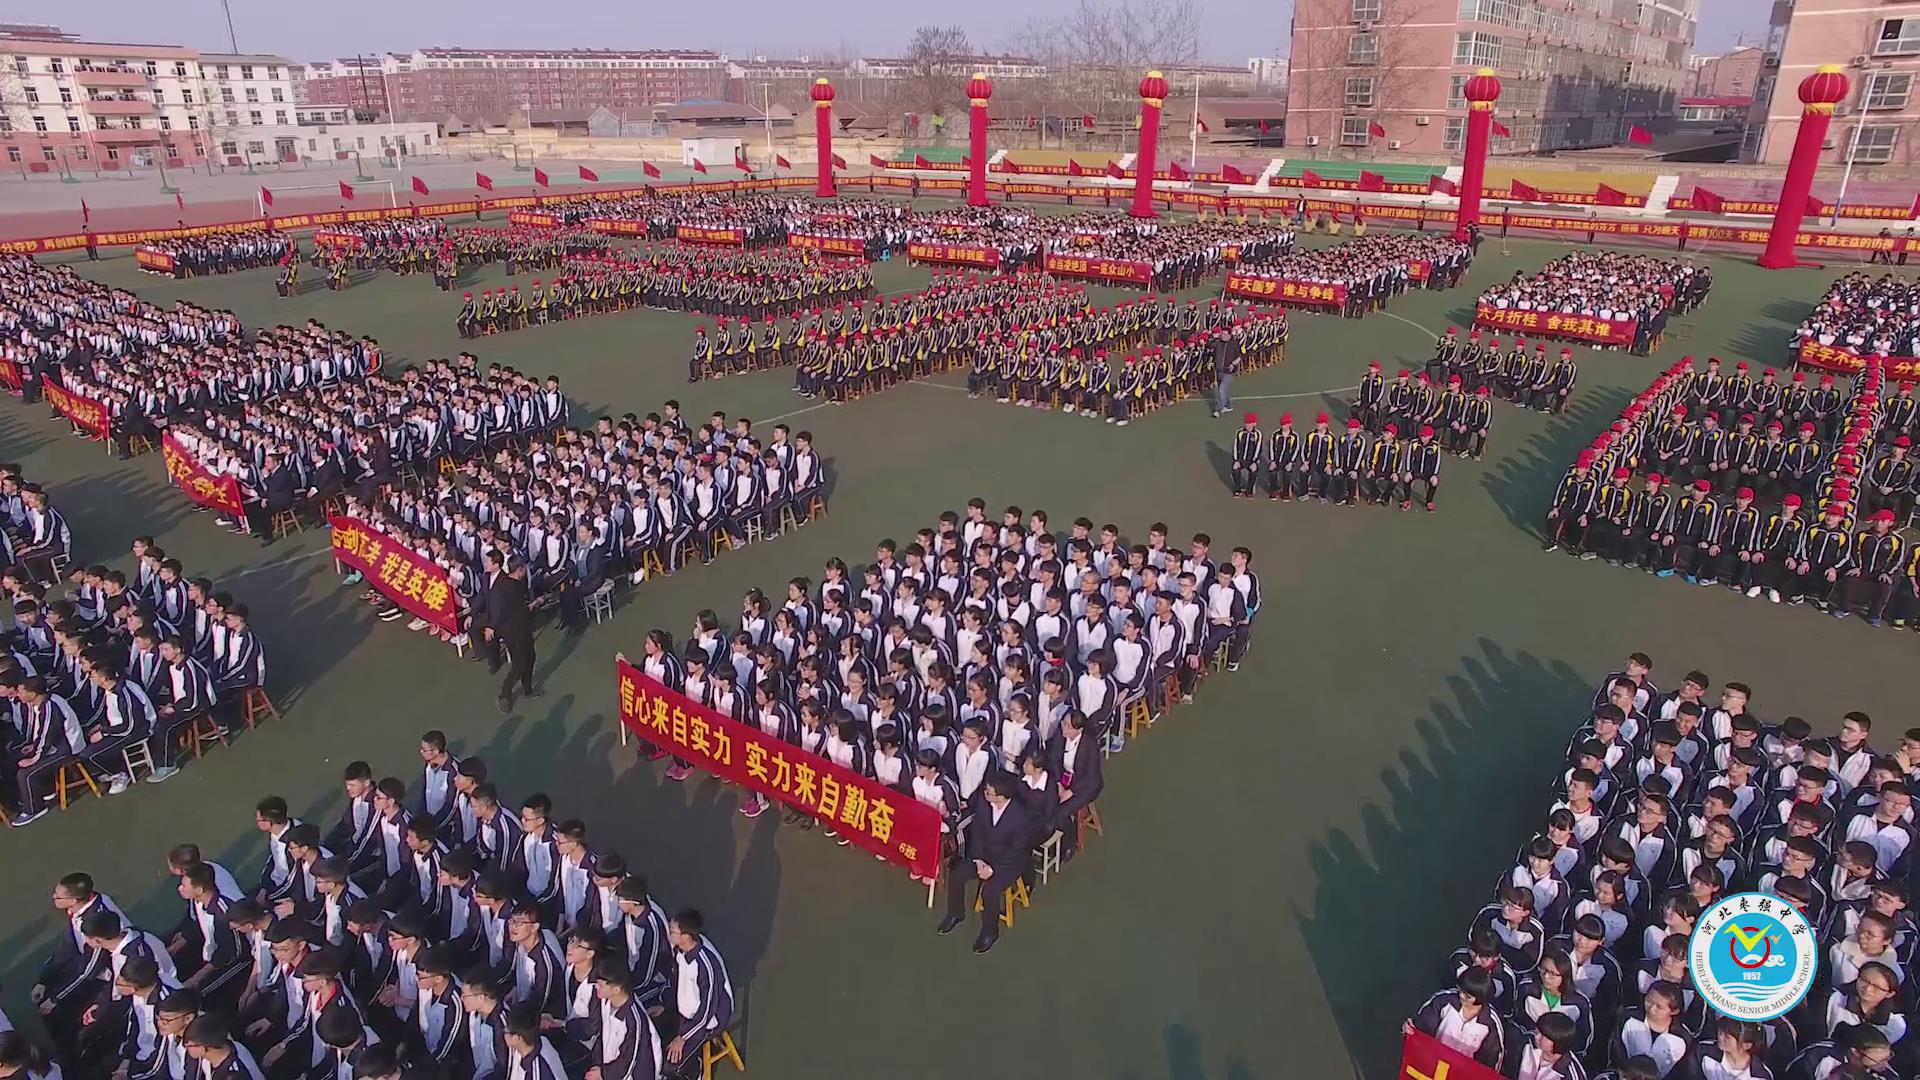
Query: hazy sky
x=1234 y=31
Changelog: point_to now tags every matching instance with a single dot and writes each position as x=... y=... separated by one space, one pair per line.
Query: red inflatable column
x=823 y=132
x=1153 y=94
x=979 y=90
x=1481 y=91
x=1819 y=92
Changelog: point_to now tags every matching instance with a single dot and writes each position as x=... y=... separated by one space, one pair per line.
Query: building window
x=253 y=95
x=73 y=124
x=313 y=145
x=360 y=142
x=226 y=94
x=273 y=73
x=179 y=69
x=253 y=118
x=193 y=123
x=186 y=96
x=1873 y=143
x=1898 y=36
x=168 y=149
x=256 y=147
x=13 y=153
x=1456 y=135
x=55 y=65
x=220 y=72
x=66 y=96
x=166 y=123
x=159 y=96
x=1353 y=131
x=229 y=147
x=80 y=152
x=152 y=69
x=113 y=153
x=1363 y=49
x=47 y=152
x=233 y=118
x=39 y=123
x=6 y=125
x=1360 y=92
x=1478 y=50
x=277 y=94
x=246 y=71
x=33 y=96
x=1887 y=90
x=1366 y=10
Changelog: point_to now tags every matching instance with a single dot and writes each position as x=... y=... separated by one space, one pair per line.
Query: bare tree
x=935 y=58
x=1096 y=53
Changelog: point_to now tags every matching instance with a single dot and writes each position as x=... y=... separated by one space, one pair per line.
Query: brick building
x=437 y=81
x=1878 y=46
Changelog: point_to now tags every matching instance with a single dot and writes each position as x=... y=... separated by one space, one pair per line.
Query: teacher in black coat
x=509 y=625
x=999 y=849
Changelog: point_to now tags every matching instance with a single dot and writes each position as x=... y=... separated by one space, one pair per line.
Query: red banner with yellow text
x=835 y=245
x=954 y=254
x=617 y=226
x=1557 y=324
x=410 y=580
x=1846 y=361
x=703 y=234
x=12 y=379
x=535 y=218
x=886 y=821
x=1286 y=290
x=199 y=483
x=335 y=240
x=1125 y=271
x=87 y=414
x=1423 y=1057
x=152 y=258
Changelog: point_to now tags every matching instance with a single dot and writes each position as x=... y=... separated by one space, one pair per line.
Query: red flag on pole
x=1440 y=185
x=1087 y=121
x=1610 y=196
x=1375 y=131
x=1263 y=127
x=420 y=186
x=920 y=162
x=780 y=162
x=1233 y=176
x=1638 y=134
x=346 y=191
x=483 y=181
x=876 y=161
x=1525 y=192
x=1502 y=130
x=1010 y=165
x=1114 y=170
x=1309 y=178
x=650 y=169
x=839 y=162
x=699 y=166
x=1708 y=202
x=180 y=201
x=1175 y=172
x=966 y=162
x=1202 y=125
x=589 y=175
x=86 y=215
x=1814 y=206
x=1372 y=181
x=1074 y=169
x=266 y=197
x=539 y=177
x=740 y=162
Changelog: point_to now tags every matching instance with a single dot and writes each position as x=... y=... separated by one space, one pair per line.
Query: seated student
x=1522 y=938
x=486 y=1052
x=1551 y=991
x=241 y=667
x=438 y=1033
x=1076 y=766
x=1463 y=1019
x=586 y=572
x=1858 y=1051
x=211 y=956
x=645 y=938
x=629 y=1046
x=530 y=1056
x=128 y=719
x=185 y=692
x=43 y=536
x=50 y=736
x=211 y=1046
x=703 y=999
x=1654 y=1029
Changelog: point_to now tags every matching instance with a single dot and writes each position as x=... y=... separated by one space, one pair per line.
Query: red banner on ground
x=415 y=583
x=1846 y=361
x=534 y=218
x=1423 y=1057
x=152 y=258
x=886 y=821
x=12 y=379
x=1556 y=324
x=1419 y=269
x=700 y=234
x=956 y=254
x=837 y=245
x=199 y=483
x=86 y=413
x=1128 y=271
x=1286 y=290
x=617 y=226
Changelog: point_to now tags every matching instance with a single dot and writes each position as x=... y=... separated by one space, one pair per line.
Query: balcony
x=119 y=107
x=128 y=136
x=116 y=78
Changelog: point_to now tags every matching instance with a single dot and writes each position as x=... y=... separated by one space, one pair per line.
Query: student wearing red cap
x=1879 y=554
x=1774 y=565
x=1696 y=533
x=1380 y=478
x=1246 y=456
x=1400 y=401
x=1801 y=463
x=1612 y=516
x=1673 y=445
x=1561 y=380
x=1349 y=454
x=1744 y=536
x=1825 y=557
x=1318 y=463
x=1286 y=462
x=1890 y=480
x=1572 y=503
x=1649 y=530
x=1423 y=468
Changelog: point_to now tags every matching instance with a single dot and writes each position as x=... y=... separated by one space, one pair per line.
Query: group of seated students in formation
x=1480 y=366
x=1665 y=803
x=1865 y=315
x=1809 y=517
x=592 y=506
x=1608 y=285
x=983 y=646
x=1373 y=269
x=222 y=251
x=521 y=247
x=434 y=930
x=114 y=663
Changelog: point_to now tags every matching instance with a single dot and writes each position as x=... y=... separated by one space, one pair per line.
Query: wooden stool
x=201 y=730
x=1170 y=690
x=755 y=531
x=137 y=756
x=816 y=507
x=651 y=564
x=600 y=604
x=332 y=506
x=1219 y=661
x=447 y=464
x=1138 y=712
x=719 y=537
x=690 y=553
x=711 y=1055
x=1015 y=893
x=257 y=705
x=789 y=517
x=1047 y=857
x=284 y=522
x=1089 y=821
x=139 y=444
x=71 y=774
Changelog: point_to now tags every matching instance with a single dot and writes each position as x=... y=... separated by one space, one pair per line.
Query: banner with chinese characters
x=617 y=226
x=535 y=218
x=1126 y=271
x=1419 y=269
x=886 y=821
x=335 y=240
x=197 y=482
x=12 y=379
x=1847 y=362
x=1286 y=290
x=1423 y=1057
x=415 y=582
x=834 y=245
x=933 y=251
x=1556 y=324
x=701 y=234
x=147 y=257
x=87 y=414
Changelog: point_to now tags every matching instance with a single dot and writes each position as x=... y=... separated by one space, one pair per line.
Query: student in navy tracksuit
x=702 y=998
x=629 y=1047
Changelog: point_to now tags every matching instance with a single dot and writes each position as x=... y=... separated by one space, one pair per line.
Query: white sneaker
x=1773 y=595
x=417 y=624
x=636 y=577
x=117 y=784
x=1753 y=592
x=163 y=774
x=460 y=641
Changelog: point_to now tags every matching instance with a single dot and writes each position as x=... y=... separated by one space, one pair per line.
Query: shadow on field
x=1765 y=341
x=1458 y=804
x=1186 y=1060
x=1522 y=480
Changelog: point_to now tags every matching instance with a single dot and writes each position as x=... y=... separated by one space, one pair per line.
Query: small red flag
x=589 y=175
x=876 y=161
x=839 y=162
x=420 y=186
x=1502 y=130
x=1375 y=131
x=1202 y=125
x=483 y=181
x=266 y=197
x=180 y=201
x=1638 y=134
x=1372 y=181
x=1232 y=175
x=699 y=166
x=1814 y=206
x=1087 y=121
x=920 y=162
x=1610 y=196
x=1010 y=165
x=346 y=191
x=1708 y=202
x=1309 y=178
x=740 y=162
x=650 y=169
x=1114 y=170
x=86 y=215
x=1523 y=191
x=1175 y=172
x=1440 y=185
x=1263 y=127
x=539 y=177
x=1074 y=169
x=780 y=162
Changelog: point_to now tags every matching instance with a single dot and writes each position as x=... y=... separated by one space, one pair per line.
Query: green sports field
x=1285 y=863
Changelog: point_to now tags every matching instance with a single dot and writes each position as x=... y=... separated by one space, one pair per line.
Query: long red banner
x=334 y=239
x=86 y=413
x=886 y=821
x=836 y=245
x=199 y=483
x=12 y=379
x=702 y=234
x=152 y=258
x=1423 y=1057
x=617 y=226
x=934 y=251
x=1846 y=361
x=415 y=583
x=1128 y=271
x=1286 y=290
x=1556 y=324
x=534 y=218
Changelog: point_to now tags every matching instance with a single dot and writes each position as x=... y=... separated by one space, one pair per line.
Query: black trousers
x=992 y=892
x=519 y=663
